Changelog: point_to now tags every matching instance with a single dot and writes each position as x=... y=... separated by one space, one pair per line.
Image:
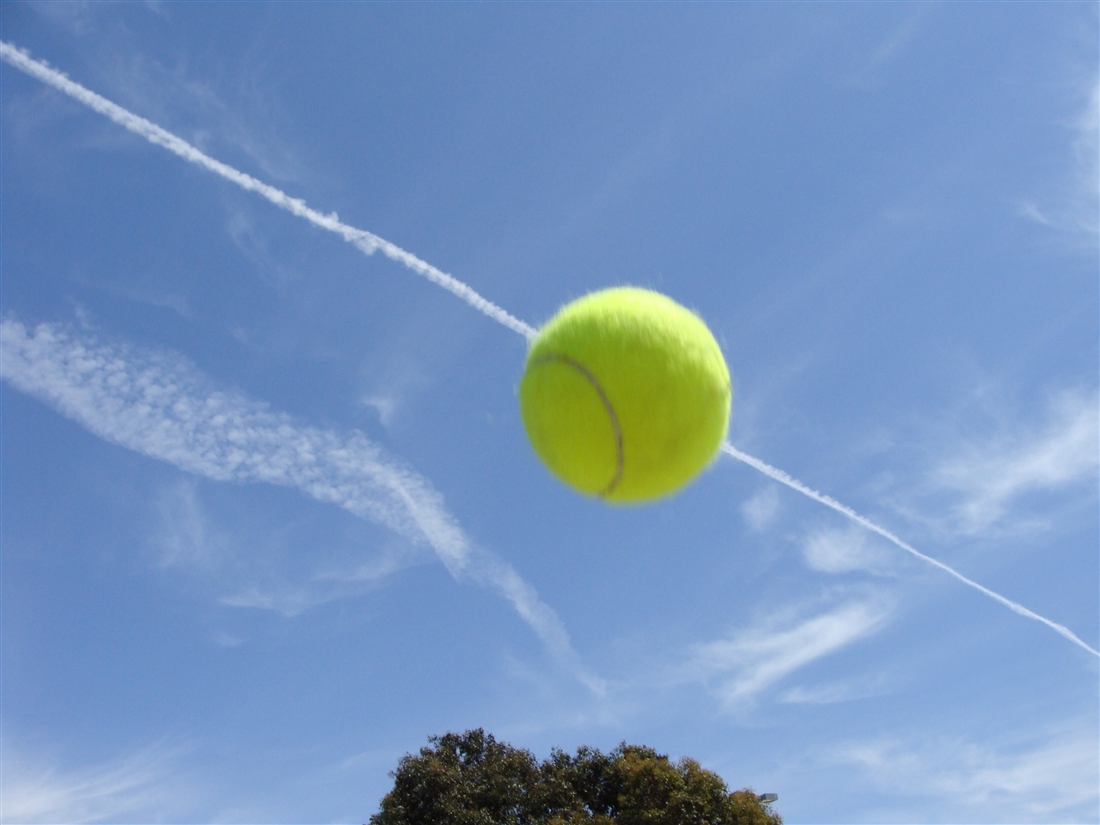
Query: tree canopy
x=472 y=779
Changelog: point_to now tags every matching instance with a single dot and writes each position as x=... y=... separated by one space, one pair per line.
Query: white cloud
x=1073 y=207
x=261 y=566
x=752 y=660
x=374 y=569
x=1086 y=148
x=184 y=535
x=760 y=510
x=384 y=405
x=830 y=502
x=1031 y=211
x=290 y=595
x=160 y=405
x=1087 y=144
x=366 y=242
x=989 y=477
x=141 y=785
x=223 y=639
x=873 y=67
x=287 y=601
x=846 y=550
x=834 y=692
x=1050 y=778
x=77 y=18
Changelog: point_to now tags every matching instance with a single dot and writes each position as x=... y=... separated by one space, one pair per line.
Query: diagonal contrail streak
x=828 y=501
x=366 y=242
x=160 y=405
x=369 y=243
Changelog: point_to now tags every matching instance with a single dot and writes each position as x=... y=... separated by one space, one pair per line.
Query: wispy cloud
x=384 y=405
x=1086 y=147
x=1031 y=211
x=872 y=69
x=141 y=785
x=846 y=550
x=754 y=659
x=184 y=534
x=286 y=601
x=290 y=595
x=1073 y=205
x=366 y=242
x=1048 y=778
x=988 y=477
x=77 y=18
x=845 y=510
x=761 y=510
x=264 y=567
x=160 y=405
x=833 y=692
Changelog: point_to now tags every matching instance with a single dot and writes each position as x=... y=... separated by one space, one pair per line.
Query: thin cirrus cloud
x=369 y=243
x=158 y=404
x=1086 y=147
x=366 y=242
x=1074 y=210
x=287 y=601
x=144 y=783
x=761 y=509
x=846 y=550
x=834 y=692
x=1049 y=778
x=256 y=569
x=989 y=477
x=830 y=502
x=751 y=661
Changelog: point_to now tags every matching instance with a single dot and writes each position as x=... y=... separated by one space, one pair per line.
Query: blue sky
x=269 y=515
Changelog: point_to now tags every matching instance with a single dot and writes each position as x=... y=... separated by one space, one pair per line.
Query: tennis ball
x=625 y=395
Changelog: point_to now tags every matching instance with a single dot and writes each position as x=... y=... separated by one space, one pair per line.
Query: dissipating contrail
x=366 y=242
x=783 y=478
x=369 y=243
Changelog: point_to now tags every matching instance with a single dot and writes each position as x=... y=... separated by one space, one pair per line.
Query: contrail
x=366 y=242
x=369 y=243
x=160 y=405
x=795 y=484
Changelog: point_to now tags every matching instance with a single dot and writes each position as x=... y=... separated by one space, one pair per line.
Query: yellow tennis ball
x=626 y=395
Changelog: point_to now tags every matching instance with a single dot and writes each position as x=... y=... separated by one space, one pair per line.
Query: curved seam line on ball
x=579 y=367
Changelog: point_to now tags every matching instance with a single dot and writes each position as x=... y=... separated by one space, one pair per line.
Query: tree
x=472 y=779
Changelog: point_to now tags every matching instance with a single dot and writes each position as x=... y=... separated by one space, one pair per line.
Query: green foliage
x=471 y=779
x=465 y=780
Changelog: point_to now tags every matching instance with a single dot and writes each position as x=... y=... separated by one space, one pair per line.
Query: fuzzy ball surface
x=625 y=395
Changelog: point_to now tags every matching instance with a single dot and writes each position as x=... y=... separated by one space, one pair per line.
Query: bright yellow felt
x=625 y=366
